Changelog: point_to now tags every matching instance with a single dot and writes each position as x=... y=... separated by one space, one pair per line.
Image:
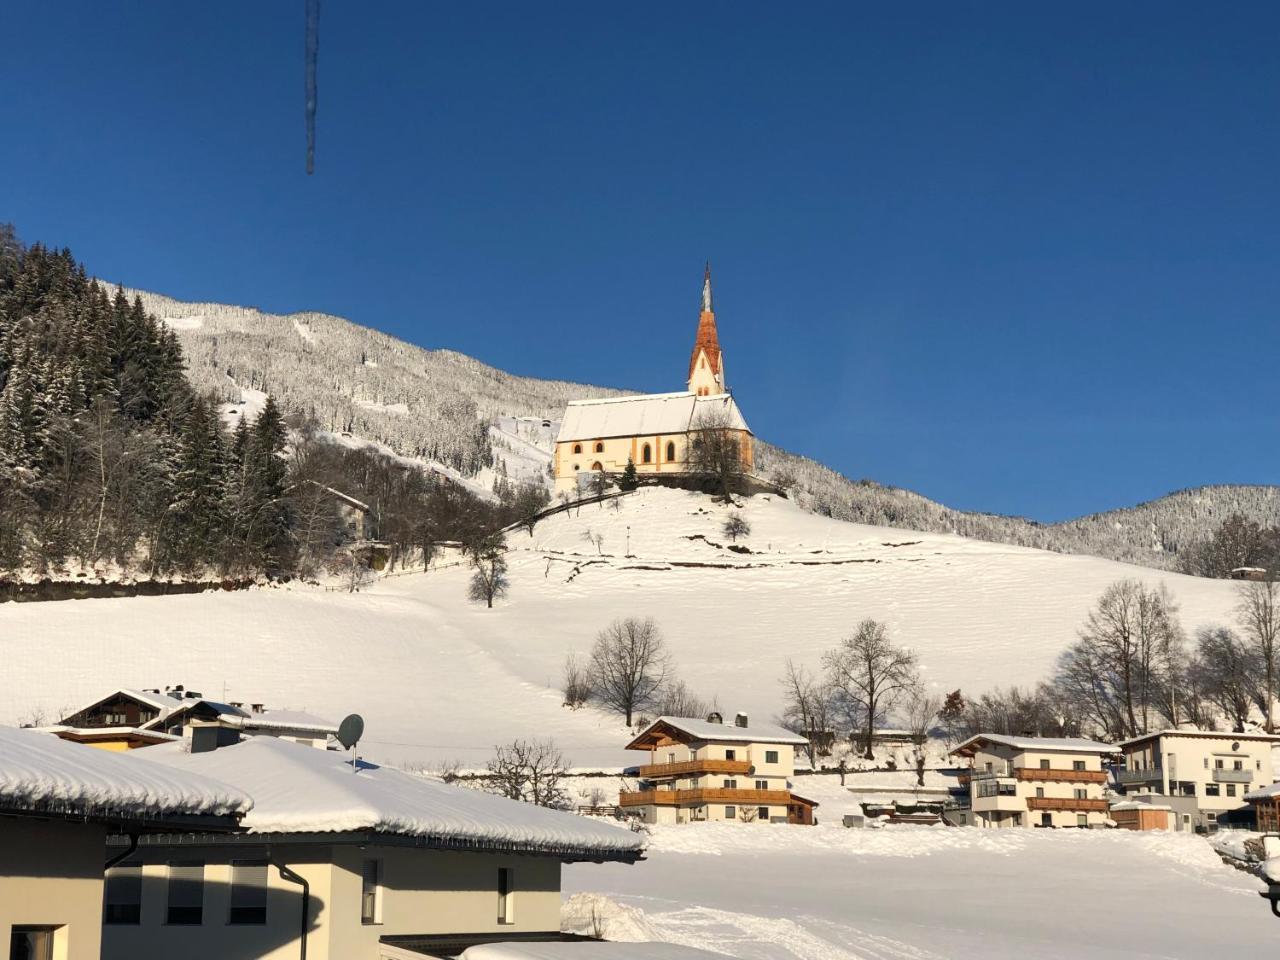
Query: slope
x=439 y=678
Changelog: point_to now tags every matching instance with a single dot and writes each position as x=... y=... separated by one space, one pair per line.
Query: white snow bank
x=297 y=788
x=586 y=951
x=593 y=915
x=183 y=323
x=39 y=771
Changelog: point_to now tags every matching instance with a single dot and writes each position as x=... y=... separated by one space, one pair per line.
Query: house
x=653 y=431
x=1034 y=781
x=1266 y=807
x=363 y=861
x=125 y=707
x=197 y=720
x=58 y=802
x=710 y=770
x=1201 y=774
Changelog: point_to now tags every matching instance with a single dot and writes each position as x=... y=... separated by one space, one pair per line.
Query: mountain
x=483 y=424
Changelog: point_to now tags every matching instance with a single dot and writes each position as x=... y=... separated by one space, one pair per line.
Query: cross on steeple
x=706 y=363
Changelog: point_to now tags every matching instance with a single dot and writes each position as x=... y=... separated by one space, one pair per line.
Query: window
x=1040 y=791
x=186 y=893
x=122 y=900
x=762 y=784
x=731 y=755
x=1237 y=765
x=1081 y=794
x=771 y=756
x=646 y=454
x=731 y=784
x=116 y=719
x=731 y=813
x=1231 y=789
x=371 y=892
x=1082 y=820
x=762 y=814
x=577 y=448
x=506 y=896
x=31 y=943
x=1211 y=790
x=1077 y=764
x=1044 y=764
x=987 y=766
x=248 y=892
x=671 y=452
x=1206 y=763
x=599 y=447
x=1217 y=764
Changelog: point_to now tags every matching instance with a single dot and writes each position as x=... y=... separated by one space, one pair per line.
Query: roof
x=298 y=789
x=1048 y=744
x=296 y=720
x=160 y=701
x=646 y=415
x=1264 y=793
x=1139 y=805
x=600 y=950
x=1204 y=734
x=87 y=734
x=703 y=730
x=42 y=773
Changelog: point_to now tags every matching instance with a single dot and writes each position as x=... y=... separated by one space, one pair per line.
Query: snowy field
x=441 y=679
x=930 y=893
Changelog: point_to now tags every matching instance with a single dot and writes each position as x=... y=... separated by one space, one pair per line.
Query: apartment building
x=1202 y=775
x=1033 y=781
x=710 y=770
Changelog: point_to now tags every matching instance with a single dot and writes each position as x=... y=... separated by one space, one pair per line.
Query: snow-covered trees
x=628 y=666
x=869 y=675
x=1260 y=620
x=1239 y=542
x=530 y=771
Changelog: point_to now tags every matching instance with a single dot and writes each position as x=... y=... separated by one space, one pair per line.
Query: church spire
x=706 y=363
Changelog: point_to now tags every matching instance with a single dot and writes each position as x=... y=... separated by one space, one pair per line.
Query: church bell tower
x=706 y=364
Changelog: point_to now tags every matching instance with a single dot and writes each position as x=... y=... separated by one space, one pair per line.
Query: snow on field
x=183 y=323
x=439 y=678
x=925 y=893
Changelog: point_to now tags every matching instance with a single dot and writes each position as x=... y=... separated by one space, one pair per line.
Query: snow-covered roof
x=700 y=729
x=298 y=789
x=1046 y=744
x=647 y=415
x=42 y=773
x=1139 y=805
x=1204 y=734
x=587 y=951
x=1264 y=793
x=160 y=701
x=298 y=720
x=106 y=733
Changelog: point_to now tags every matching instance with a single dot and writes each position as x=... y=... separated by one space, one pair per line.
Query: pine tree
x=629 y=479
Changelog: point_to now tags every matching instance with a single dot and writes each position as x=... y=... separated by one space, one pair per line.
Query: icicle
x=312 y=44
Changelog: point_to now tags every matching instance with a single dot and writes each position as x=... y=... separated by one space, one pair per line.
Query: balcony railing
x=1061 y=776
x=1222 y=775
x=693 y=768
x=1139 y=776
x=675 y=798
x=1072 y=804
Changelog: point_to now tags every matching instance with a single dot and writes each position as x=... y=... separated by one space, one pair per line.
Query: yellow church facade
x=653 y=431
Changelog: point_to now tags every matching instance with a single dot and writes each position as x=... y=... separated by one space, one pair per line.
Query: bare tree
x=736 y=526
x=489 y=581
x=628 y=666
x=715 y=451
x=921 y=713
x=868 y=674
x=1227 y=671
x=531 y=771
x=595 y=539
x=806 y=710
x=576 y=686
x=1260 y=621
x=677 y=700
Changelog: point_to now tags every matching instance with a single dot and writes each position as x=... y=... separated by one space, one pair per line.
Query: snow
x=304 y=331
x=655 y=414
x=183 y=323
x=400 y=408
x=438 y=678
x=1058 y=744
x=770 y=892
x=586 y=951
x=702 y=729
x=37 y=770
x=1263 y=793
x=250 y=405
x=297 y=788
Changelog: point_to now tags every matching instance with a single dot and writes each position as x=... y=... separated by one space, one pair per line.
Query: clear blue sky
x=1022 y=258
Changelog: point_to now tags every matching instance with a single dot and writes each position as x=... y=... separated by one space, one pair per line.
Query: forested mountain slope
x=443 y=406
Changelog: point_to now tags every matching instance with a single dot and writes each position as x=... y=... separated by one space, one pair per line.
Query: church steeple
x=706 y=364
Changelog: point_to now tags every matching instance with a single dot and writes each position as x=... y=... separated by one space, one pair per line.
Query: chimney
x=237 y=703
x=740 y=720
x=256 y=707
x=714 y=717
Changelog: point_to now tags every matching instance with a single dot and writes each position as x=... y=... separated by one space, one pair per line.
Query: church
x=654 y=431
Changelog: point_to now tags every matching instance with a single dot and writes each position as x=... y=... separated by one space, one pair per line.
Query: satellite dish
x=350 y=730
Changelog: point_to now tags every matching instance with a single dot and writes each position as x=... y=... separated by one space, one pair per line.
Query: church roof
x=646 y=415
x=707 y=340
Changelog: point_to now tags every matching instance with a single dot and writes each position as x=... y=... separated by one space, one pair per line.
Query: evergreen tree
x=629 y=479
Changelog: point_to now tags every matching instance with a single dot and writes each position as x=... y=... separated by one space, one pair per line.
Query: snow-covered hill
x=445 y=408
x=439 y=678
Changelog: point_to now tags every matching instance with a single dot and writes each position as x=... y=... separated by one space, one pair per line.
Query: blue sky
x=1021 y=258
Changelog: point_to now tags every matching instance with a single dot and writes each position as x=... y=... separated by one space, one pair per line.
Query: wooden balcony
x=1060 y=776
x=1067 y=804
x=677 y=798
x=693 y=768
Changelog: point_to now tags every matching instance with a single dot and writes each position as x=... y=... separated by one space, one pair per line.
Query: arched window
x=599 y=447
x=597 y=467
x=646 y=455
x=577 y=448
x=671 y=451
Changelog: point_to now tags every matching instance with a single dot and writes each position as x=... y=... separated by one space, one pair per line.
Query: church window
x=599 y=447
x=596 y=466
x=671 y=452
x=577 y=448
x=646 y=455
